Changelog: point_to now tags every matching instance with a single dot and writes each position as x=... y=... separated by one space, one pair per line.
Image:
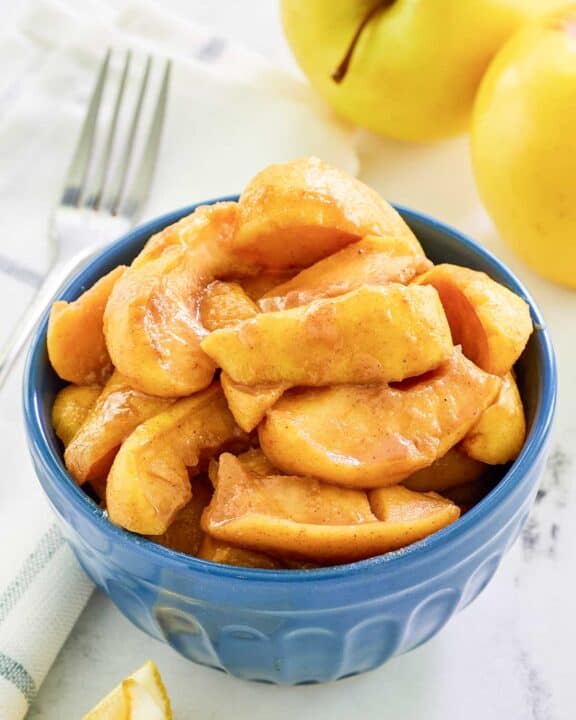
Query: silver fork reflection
x=102 y=198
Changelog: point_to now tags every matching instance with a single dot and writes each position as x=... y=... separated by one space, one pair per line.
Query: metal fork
x=101 y=198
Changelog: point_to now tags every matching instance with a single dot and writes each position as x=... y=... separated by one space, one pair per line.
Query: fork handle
x=59 y=274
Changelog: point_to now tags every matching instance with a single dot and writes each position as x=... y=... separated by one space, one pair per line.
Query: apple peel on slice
x=304 y=518
x=376 y=435
x=491 y=323
x=295 y=213
x=75 y=338
x=148 y=482
x=372 y=334
x=370 y=261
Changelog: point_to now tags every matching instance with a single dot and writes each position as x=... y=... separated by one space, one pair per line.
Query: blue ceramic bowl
x=297 y=626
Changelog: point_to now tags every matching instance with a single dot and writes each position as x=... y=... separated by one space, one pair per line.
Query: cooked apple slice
x=491 y=323
x=118 y=410
x=370 y=261
x=76 y=344
x=222 y=552
x=152 y=328
x=499 y=434
x=71 y=406
x=210 y=228
x=253 y=461
x=376 y=435
x=185 y=534
x=372 y=334
x=224 y=304
x=148 y=482
x=397 y=504
x=152 y=322
x=452 y=469
x=250 y=403
x=304 y=518
x=295 y=213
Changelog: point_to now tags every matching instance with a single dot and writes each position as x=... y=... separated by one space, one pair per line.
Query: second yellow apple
x=404 y=69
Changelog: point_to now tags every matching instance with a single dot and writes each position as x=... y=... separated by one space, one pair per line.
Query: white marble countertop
x=508 y=656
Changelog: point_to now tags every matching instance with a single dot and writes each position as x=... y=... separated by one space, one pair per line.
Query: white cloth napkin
x=229 y=114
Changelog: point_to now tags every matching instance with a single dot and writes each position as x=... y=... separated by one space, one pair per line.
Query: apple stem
x=342 y=69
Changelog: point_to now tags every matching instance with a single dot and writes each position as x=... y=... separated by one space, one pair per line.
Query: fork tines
x=113 y=165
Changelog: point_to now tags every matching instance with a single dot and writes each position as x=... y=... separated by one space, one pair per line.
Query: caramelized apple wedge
x=425 y=512
x=118 y=410
x=185 y=533
x=304 y=518
x=152 y=328
x=499 y=434
x=372 y=334
x=224 y=304
x=491 y=323
x=452 y=469
x=151 y=323
x=148 y=482
x=376 y=435
x=255 y=462
x=370 y=261
x=222 y=552
x=250 y=403
x=71 y=406
x=295 y=213
x=210 y=229
x=76 y=345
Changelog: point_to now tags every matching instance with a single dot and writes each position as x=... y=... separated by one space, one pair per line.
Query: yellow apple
x=524 y=144
x=408 y=69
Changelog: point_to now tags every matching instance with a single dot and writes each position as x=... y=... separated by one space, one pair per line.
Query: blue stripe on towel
x=45 y=548
x=17 y=674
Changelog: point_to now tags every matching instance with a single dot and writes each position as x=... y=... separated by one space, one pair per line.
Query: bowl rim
x=401 y=559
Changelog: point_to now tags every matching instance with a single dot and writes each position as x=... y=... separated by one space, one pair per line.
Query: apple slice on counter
x=140 y=696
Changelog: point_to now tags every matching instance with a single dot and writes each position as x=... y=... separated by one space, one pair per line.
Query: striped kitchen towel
x=38 y=608
x=229 y=114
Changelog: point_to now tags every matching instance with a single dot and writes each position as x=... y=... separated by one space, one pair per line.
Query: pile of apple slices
x=288 y=381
